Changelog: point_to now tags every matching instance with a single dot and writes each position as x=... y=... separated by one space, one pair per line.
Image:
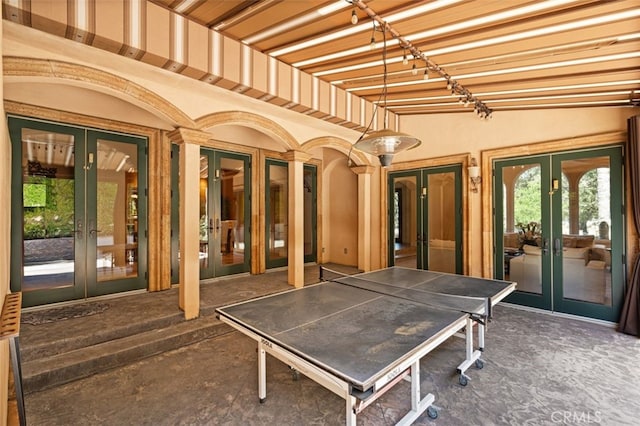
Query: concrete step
x=78 y=361
x=89 y=336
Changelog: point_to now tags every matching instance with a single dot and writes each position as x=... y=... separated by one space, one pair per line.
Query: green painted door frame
x=219 y=208
x=73 y=158
x=311 y=213
x=420 y=199
x=276 y=213
x=557 y=266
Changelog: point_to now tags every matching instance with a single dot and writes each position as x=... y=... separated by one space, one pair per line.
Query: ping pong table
x=359 y=335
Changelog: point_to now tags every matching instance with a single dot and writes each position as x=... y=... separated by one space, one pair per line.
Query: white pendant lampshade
x=385 y=143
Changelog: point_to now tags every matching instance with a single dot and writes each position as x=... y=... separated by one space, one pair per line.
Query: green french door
x=425 y=219
x=277 y=213
x=80 y=195
x=310 y=213
x=225 y=213
x=559 y=231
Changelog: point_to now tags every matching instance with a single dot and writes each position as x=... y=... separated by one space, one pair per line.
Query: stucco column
x=295 y=232
x=364 y=216
x=189 y=186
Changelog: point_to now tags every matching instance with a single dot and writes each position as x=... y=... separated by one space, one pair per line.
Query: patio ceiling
x=490 y=54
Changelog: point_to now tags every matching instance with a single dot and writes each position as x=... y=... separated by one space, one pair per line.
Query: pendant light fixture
x=384 y=143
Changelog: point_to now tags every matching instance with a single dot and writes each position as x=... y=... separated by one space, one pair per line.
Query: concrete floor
x=539 y=369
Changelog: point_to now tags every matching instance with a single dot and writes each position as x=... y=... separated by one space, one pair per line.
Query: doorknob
x=78 y=230
x=545 y=245
x=93 y=232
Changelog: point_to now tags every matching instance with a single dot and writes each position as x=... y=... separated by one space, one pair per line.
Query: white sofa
x=582 y=278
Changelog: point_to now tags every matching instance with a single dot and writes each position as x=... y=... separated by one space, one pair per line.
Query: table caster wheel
x=463 y=380
x=432 y=413
x=295 y=374
x=479 y=364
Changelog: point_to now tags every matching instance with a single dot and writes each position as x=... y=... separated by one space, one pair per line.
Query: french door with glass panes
x=560 y=231
x=425 y=219
x=277 y=213
x=225 y=213
x=80 y=195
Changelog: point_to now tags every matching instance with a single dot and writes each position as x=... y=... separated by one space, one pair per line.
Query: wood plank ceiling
x=482 y=55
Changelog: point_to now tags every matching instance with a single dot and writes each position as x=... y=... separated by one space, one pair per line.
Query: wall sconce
x=474 y=175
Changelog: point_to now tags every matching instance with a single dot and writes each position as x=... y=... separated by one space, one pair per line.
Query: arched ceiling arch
x=340 y=145
x=254 y=121
x=44 y=70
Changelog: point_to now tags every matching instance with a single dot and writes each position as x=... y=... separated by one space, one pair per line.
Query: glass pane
x=204 y=212
x=232 y=211
x=278 y=183
x=48 y=209
x=523 y=234
x=405 y=221
x=309 y=183
x=441 y=194
x=586 y=239
x=116 y=230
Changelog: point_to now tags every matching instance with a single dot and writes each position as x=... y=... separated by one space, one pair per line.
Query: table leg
x=351 y=412
x=14 y=349
x=415 y=386
x=472 y=356
x=469 y=339
x=262 y=373
x=418 y=406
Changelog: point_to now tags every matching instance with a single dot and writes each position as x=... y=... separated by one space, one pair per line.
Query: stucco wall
x=340 y=205
x=446 y=134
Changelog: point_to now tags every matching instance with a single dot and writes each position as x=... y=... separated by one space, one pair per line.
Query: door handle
x=78 y=230
x=545 y=246
x=557 y=247
x=94 y=232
